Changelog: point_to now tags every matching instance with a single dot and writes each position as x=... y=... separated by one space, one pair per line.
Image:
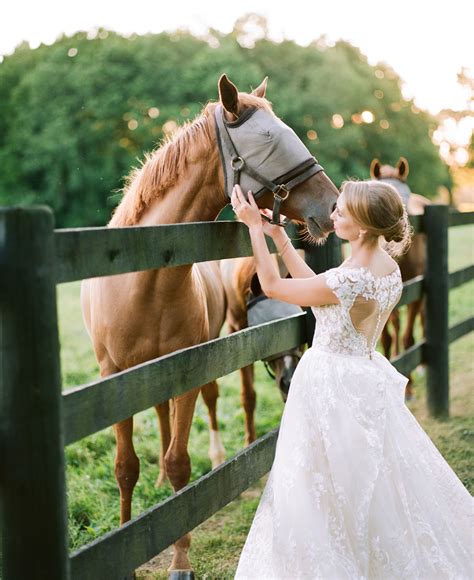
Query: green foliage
x=77 y=115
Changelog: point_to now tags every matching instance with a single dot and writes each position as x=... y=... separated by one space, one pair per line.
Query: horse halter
x=257 y=147
x=267 y=361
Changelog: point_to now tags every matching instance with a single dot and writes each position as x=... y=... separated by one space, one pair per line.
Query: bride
x=357 y=489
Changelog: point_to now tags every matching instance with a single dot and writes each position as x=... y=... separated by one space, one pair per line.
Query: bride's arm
x=297 y=267
x=306 y=291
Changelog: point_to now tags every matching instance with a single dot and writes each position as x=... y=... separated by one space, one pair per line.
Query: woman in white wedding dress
x=357 y=489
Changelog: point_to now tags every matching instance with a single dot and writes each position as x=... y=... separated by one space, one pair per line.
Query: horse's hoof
x=181 y=575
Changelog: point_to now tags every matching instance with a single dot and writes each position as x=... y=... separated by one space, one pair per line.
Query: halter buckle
x=237 y=160
x=281 y=187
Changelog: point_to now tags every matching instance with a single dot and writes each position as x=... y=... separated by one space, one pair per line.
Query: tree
x=77 y=115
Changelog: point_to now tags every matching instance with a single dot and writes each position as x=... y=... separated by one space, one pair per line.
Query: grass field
x=93 y=498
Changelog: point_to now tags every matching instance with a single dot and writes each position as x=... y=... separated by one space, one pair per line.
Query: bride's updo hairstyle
x=378 y=208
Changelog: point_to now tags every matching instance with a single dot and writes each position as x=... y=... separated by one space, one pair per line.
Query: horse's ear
x=375 y=169
x=261 y=89
x=403 y=168
x=255 y=285
x=228 y=95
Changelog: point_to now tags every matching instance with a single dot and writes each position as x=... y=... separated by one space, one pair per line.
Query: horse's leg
x=163 y=412
x=386 y=340
x=127 y=464
x=422 y=367
x=127 y=467
x=178 y=465
x=395 y=319
x=210 y=393
x=248 y=399
x=408 y=336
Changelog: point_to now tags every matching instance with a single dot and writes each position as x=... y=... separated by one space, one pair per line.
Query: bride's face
x=344 y=225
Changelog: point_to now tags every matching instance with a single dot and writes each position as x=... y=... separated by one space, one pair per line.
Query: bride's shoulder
x=343 y=275
x=391 y=262
x=380 y=266
x=384 y=261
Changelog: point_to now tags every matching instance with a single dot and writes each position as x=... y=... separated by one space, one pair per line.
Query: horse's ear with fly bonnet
x=396 y=178
x=403 y=168
x=375 y=169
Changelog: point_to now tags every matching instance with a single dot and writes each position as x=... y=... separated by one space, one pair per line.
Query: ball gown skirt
x=357 y=489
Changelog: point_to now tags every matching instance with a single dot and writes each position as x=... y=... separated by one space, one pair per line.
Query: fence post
x=320 y=259
x=435 y=223
x=32 y=482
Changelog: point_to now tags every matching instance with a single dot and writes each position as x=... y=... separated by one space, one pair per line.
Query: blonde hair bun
x=378 y=208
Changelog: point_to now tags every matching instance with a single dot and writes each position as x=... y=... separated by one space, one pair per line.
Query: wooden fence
x=37 y=419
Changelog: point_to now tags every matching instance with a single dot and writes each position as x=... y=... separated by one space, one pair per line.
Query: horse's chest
x=137 y=319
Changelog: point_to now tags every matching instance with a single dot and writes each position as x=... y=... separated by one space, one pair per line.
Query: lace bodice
x=354 y=325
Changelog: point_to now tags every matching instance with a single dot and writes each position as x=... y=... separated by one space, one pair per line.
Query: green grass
x=93 y=500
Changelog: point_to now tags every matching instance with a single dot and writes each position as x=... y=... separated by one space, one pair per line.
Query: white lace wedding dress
x=357 y=489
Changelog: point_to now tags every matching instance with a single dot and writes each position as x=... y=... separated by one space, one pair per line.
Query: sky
x=426 y=43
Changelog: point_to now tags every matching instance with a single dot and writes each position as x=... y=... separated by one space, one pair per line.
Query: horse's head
x=281 y=367
x=266 y=156
x=379 y=171
x=395 y=176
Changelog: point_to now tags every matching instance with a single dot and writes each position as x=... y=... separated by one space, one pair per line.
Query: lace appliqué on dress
x=362 y=297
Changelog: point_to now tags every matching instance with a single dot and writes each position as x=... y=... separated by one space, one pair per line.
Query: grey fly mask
x=400 y=186
x=260 y=152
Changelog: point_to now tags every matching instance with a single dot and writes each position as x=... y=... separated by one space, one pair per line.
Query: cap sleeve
x=346 y=283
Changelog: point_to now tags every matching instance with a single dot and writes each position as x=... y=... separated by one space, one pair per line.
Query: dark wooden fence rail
x=32 y=259
x=91 y=252
x=92 y=407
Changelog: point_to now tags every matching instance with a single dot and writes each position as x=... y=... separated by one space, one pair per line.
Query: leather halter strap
x=280 y=187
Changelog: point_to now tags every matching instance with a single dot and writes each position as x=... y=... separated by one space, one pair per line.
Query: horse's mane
x=161 y=168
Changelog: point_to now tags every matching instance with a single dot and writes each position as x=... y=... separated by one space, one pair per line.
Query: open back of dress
x=368 y=319
x=365 y=302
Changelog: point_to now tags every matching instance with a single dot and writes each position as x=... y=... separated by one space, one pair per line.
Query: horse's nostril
x=334 y=208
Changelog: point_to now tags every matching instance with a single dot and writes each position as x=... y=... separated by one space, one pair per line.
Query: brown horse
x=136 y=317
x=240 y=281
x=411 y=264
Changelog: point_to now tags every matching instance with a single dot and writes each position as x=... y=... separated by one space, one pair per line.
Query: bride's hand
x=246 y=211
x=269 y=229
x=251 y=214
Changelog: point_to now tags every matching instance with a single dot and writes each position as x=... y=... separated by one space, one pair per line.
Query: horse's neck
x=196 y=196
x=417 y=204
